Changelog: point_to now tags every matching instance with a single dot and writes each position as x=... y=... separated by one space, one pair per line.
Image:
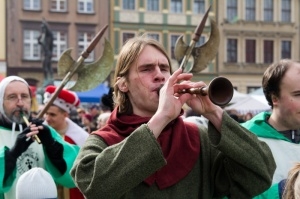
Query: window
x=268 y=10
x=199 y=6
x=85 y=6
x=286 y=47
x=250 y=10
x=31 y=47
x=176 y=6
x=128 y=4
x=32 y=4
x=84 y=39
x=127 y=35
x=173 y=42
x=59 y=44
x=268 y=51
x=59 y=5
x=154 y=36
x=251 y=89
x=286 y=10
x=152 y=5
x=232 y=50
x=231 y=10
x=250 y=50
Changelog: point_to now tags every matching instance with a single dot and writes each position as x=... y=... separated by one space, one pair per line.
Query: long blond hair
x=128 y=54
x=292 y=186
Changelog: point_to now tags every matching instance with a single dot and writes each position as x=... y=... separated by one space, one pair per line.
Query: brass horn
x=219 y=90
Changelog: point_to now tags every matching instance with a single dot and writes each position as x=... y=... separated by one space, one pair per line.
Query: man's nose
x=159 y=76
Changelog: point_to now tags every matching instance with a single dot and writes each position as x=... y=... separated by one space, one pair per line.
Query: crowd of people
x=240 y=118
x=140 y=142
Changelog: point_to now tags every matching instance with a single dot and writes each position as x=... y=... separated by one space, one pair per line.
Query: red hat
x=66 y=99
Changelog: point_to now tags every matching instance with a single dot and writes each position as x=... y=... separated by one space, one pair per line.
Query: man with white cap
x=18 y=151
x=57 y=116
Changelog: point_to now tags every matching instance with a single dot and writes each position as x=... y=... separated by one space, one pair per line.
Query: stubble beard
x=18 y=117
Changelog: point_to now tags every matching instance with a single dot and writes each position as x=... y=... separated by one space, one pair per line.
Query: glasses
x=15 y=98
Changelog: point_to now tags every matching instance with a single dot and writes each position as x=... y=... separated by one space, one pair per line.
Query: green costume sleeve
x=243 y=166
x=271 y=193
x=5 y=187
x=70 y=152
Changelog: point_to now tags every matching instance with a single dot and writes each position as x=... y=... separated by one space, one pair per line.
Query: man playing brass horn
x=146 y=150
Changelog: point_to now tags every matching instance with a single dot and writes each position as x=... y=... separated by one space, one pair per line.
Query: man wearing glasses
x=19 y=152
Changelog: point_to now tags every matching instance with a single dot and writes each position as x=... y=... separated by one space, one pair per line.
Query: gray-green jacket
x=232 y=163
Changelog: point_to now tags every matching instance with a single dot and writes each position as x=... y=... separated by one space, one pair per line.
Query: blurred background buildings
x=254 y=33
x=2 y=40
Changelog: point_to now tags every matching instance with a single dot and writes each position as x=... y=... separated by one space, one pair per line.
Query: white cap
x=36 y=184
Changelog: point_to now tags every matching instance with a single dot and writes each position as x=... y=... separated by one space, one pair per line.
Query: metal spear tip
x=200 y=27
x=94 y=42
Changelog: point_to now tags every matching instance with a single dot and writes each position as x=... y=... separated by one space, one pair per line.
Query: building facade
x=73 y=24
x=2 y=41
x=253 y=33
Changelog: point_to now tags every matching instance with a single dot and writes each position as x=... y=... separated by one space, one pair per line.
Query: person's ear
x=122 y=84
x=274 y=99
x=66 y=114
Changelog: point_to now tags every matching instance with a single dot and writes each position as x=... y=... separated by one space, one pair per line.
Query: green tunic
x=34 y=156
x=284 y=151
x=233 y=163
